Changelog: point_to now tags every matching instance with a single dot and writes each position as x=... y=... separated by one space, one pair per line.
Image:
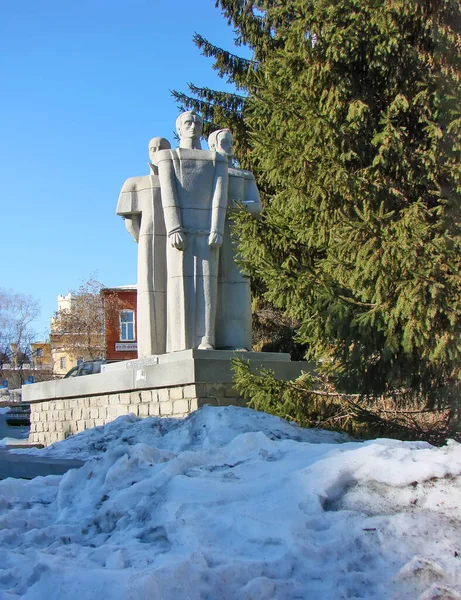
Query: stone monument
x=233 y=319
x=140 y=205
x=191 y=292
x=194 y=186
x=193 y=301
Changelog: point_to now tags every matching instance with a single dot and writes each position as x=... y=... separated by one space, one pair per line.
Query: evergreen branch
x=237 y=69
x=355 y=139
x=232 y=102
x=209 y=50
x=350 y=300
x=323 y=393
x=253 y=30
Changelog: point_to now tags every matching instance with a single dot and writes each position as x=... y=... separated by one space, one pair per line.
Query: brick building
x=117 y=336
x=120 y=333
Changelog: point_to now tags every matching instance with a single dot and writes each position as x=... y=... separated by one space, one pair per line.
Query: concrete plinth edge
x=172 y=386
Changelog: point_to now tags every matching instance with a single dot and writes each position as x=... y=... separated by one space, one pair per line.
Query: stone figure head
x=156 y=144
x=222 y=141
x=189 y=126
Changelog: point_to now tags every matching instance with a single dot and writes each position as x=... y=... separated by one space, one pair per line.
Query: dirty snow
x=232 y=504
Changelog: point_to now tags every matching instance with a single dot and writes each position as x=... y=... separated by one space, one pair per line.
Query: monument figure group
x=191 y=293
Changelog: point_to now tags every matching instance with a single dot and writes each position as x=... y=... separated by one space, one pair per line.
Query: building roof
x=121 y=287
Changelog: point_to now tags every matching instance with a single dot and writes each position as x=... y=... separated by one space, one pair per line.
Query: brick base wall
x=55 y=420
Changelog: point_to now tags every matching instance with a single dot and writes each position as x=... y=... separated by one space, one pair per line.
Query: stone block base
x=171 y=385
x=55 y=420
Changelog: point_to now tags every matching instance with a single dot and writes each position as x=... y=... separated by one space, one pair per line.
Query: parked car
x=88 y=367
x=19 y=414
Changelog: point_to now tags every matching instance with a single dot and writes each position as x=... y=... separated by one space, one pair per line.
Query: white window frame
x=124 y=333
x=63 y=362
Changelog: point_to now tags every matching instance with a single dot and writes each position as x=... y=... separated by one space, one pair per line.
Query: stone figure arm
x=170 y=200
x=252 y=199
x=133 y=225
x=128 y=207
x=219 y=202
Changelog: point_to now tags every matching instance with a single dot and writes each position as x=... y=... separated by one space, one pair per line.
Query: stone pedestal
x=168 y=385
x=199 y=366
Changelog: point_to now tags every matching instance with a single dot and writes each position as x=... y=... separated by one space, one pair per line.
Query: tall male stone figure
x=193 y=186
x=141 y=206
x=233 y=319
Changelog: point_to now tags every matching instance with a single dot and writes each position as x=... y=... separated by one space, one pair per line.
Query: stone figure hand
x=215 y=240
x=178 y=240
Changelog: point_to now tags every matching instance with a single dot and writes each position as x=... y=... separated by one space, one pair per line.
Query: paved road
x=26 y=466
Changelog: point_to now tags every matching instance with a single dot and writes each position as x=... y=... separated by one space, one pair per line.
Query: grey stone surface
x=191 y=293
x=193 y=186
x=195 y=354
x=129 y=364
x=90 y=385
x=233 y=318
x=140 y=205
x=177 y=368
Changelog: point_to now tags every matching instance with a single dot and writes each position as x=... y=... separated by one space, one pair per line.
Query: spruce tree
x=352 y=121
x=219 y=109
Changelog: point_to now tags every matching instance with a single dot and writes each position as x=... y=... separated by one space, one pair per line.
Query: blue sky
x=85 y=86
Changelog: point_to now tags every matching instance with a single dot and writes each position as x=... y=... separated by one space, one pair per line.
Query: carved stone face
x=190 y=126
x=157 y=143
x=225 y=143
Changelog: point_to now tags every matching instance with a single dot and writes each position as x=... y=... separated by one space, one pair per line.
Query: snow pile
x=205 y=429
x=234 y=504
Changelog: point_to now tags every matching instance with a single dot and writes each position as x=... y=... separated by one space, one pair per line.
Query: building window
x=62 y=362
x=39 y=352
x=127 y=325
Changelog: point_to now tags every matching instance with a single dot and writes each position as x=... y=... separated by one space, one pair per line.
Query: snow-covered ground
x=234 y=504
